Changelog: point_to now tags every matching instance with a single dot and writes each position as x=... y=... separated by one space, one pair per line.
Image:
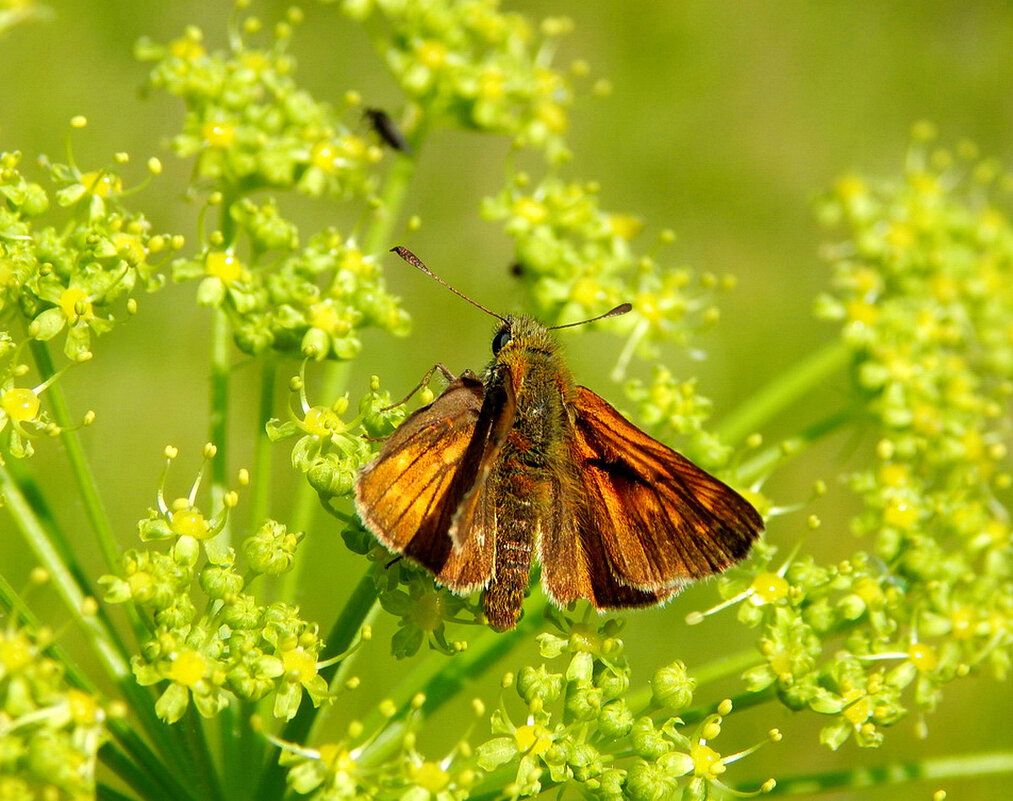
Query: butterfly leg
x=425 y=380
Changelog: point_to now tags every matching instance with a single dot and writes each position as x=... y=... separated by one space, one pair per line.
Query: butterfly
x=524 y=461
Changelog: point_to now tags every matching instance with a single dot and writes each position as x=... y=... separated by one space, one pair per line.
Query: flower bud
x=672 y=687
x=538 y=683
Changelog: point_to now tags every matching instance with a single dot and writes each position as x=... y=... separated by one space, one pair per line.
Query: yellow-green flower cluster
x=69 y=277
x=250 y=126
x=330 y=450
x=578 y=261
x=579 y=733
x=231 y=646
x=50 y=733
x=478 y=67
x=312 y=301
x=924 y=289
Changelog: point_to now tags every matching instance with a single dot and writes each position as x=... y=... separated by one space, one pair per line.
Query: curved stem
x=782 y=391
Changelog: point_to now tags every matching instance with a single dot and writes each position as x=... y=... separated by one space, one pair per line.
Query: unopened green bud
x=672 y=687
x=538 y=683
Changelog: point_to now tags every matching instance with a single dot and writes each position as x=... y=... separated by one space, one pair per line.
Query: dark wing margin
x=654 y=518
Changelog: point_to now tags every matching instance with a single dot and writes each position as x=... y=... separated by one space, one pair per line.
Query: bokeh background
x=725 y=122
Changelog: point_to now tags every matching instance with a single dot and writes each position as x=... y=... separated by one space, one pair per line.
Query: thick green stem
x=931 y=769
x=204 y=775
x=219 y=406
x=782 y=391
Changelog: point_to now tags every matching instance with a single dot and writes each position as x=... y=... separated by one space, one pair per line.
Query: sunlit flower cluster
x=70 y=279
x=478 y=67
x=250 y=126
x=923 y=287
x=225 y=645
x=309 y=301
x=579 y=731
x=578 y=261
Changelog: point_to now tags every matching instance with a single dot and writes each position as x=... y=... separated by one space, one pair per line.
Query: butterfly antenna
x=415 y=261
x=622 y=308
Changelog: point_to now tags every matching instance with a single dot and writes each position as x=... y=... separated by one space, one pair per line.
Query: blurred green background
x=725 y=121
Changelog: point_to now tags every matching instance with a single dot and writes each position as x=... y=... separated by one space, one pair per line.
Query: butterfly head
x=521 y=333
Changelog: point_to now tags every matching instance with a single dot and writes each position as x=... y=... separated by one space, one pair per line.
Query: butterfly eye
x=501 y=338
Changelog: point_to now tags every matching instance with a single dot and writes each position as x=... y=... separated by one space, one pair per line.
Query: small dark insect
x=387 y=130
x=523 y=460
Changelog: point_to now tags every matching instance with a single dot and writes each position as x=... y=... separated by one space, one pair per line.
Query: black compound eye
x=502 y=337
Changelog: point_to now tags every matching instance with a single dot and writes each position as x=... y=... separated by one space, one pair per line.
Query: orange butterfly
x=523 y=459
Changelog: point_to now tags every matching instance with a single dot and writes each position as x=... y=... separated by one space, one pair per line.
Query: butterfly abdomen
x=525 y=477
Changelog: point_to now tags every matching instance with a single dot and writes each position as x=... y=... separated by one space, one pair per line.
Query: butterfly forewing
x=660 y=520
x=408 y=498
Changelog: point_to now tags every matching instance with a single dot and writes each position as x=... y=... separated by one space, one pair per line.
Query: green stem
x=218 y=417
x=782 y=391
x=439 y=681
x=75 y=455
x=262 y=451
x=204 y=776
x=272 y=778
x=377 y=239
x=36 y=501
x=763 y=463
x=38 y=539
x=931 y=769
x=307 y=502
x=98 y=635
x=88 y=492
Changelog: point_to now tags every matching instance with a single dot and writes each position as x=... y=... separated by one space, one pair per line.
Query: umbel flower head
x=234 y=648
x=69 y=278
